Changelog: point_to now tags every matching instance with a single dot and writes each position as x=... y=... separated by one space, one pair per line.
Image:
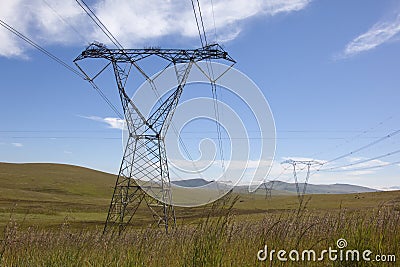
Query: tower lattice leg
x=143 y=158
x=144 y=174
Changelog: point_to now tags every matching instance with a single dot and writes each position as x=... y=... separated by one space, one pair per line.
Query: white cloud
x=133 y=22
x=377 y=35
x=17 y=144
x=114 y=123
x=36 y=20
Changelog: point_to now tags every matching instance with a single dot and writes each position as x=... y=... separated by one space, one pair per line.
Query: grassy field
x=52 y=215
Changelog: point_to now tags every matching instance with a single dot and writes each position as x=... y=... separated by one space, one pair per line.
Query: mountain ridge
x=78 y=180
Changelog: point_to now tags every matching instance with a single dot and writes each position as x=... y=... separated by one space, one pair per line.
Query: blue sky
x=329 y=70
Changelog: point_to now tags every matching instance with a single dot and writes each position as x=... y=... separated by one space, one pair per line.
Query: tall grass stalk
x=220 y=239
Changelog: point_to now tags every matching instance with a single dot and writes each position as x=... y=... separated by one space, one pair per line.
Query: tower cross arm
x=98 y=50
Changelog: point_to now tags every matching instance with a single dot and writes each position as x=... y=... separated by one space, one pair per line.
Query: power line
x=358 y=136
x=197 y=23
x=368 y=167
x=364 y=147
x=360 y=149
x=362 y=161
x=58 y=60
x=213 y=15
x=41 y=49
x=210 y=71
x=214 y=93
x=283 y=138
x=98 y=22
x=216 y=112
x=65 y=137
x=202 y=23
x=181 y=141
x=51 y=131
x=294 y=131
x=198 y=132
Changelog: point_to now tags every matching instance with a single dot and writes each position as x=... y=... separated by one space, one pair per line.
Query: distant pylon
x=305 y=164
x=144 y=174
x=268 y=189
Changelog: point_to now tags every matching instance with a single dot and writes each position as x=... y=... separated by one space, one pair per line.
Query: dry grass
x=220 y=239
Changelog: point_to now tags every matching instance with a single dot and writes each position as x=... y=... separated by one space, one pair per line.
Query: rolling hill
x=321 y=188
x=282 y=188
x=49 y=181
x=47 y=195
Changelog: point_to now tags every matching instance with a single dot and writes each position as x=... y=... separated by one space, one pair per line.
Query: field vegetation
x=54 y=216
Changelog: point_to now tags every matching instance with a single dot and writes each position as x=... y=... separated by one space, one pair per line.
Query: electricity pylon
x=144 y=164
x=268 y=189
x=305 y=164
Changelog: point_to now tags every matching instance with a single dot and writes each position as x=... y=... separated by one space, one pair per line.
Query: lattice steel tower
x=145 y=163
x=305 y=164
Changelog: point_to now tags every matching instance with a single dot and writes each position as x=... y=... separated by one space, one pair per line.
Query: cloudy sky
x=329 y=70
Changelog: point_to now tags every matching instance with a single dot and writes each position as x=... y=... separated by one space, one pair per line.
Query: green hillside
x=47 y=195
x=53 y=182
x=52 y=193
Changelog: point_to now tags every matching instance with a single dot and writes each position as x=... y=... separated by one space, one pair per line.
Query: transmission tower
x=144 y=164
x=299 y=165
x=268 y=189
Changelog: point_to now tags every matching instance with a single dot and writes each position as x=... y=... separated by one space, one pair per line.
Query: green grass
x=52 y=215
x=221 y=239
x=44 y=195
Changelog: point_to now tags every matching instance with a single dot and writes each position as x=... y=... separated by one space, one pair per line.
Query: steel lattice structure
x=305 y=164
x=145 y=163
x=268 y=189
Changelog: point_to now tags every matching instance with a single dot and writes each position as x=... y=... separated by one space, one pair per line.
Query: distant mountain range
x=391 y=188
x=321 y=188
x=279 y=187
x=191 y=182
x=41 y=180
